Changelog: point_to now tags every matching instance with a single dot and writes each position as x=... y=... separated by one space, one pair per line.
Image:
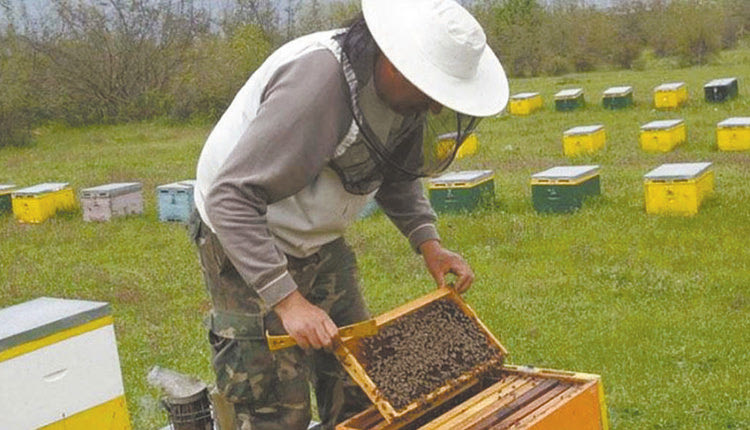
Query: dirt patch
x=419 y=352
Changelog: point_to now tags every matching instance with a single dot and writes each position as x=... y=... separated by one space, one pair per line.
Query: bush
x=15 y=91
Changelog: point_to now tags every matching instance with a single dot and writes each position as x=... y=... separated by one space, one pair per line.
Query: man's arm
x=410 y=210
x=301 y=119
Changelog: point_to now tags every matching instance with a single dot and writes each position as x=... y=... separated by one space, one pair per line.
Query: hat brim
x=391 y=23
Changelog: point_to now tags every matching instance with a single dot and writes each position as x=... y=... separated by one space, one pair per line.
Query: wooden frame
x=346 y=353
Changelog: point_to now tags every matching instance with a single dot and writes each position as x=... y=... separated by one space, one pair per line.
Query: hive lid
x=618 y=91
x=584 y=129
x=721 y=82
x=48 y=187
x=662 y=124
x=111 y=190
x=179 y=185
x=522 y=96
x=678 y=171
x=567 y=172
x=670 y=86
x=739 y=121
x=464 y=178
x=425 y=352
x=569 y=93
x=6 y=189
x=35 y=319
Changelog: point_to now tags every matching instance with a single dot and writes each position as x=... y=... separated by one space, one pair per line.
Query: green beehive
x=720 y=90
x=563 y=189
x=617 y=98
x=461 y=191
x=5 y=197
x=567 y=100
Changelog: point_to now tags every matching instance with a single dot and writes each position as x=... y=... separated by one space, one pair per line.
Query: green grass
x=659 y=306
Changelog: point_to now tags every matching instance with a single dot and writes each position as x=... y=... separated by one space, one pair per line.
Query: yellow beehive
x=447 y=142
x=678 y=189
x=525 y=103
x=662 y=136
x=490 y=395
x=40 y=202
x=670 y=96
x=584 y=140
x=733 y=134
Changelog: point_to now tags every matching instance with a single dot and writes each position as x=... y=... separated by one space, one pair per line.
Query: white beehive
x=59 y=367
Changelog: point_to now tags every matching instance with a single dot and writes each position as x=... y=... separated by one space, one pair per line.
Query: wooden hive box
x=112 y=200
x=678 y=189
x=733 y=134
x=571 y=99
x=5 y=197
x=586 y=139
x=176 y=200
x=564 y=188
x=60 y=368
x=447 y=144
x=486 y=395
x=461 y=191
x=671 y=95
x=663 y=135
x=617 y=97
x=720 y=90
x=40 y=202
x=525 y=103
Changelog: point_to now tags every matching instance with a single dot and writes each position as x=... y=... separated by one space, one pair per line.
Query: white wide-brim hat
x=441 y=49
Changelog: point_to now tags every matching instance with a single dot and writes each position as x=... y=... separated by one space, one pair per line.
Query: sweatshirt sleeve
x=302 y=117
x=409 y=209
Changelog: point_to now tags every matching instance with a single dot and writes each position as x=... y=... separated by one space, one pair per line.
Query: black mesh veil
x=429 y=142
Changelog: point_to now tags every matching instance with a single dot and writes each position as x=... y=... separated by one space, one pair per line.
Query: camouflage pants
x=270 y=390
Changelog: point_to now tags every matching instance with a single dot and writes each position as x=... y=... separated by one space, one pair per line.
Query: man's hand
x=309 y=325
x=440 y=261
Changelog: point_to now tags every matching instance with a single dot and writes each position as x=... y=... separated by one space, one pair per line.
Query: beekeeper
x=328 y=122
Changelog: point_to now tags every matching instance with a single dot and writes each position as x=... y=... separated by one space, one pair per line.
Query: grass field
x=659 y=306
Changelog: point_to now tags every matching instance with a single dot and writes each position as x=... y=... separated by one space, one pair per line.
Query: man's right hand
x=308 y=324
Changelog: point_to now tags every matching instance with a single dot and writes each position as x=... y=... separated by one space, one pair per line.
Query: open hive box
x=434 y=365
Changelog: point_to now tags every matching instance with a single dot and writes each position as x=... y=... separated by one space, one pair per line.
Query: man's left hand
x=440 y=262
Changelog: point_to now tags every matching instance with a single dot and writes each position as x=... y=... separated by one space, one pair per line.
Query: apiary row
x=665 y=96
x=40 y=202
x=732 y=134
x=673 y=189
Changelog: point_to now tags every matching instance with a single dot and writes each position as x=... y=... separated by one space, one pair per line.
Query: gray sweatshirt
x=263 y=182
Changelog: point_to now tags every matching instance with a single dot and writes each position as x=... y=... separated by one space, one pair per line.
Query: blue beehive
x=176 y=201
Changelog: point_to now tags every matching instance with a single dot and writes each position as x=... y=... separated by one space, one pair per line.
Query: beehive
x=671 y=95
x=678 y=189
x=59 y=367
x=564 y=188
x=461 y=191
x=733 y=134
x=571 y=99
x=176 y=201
x=662 y=136
x=5 y=197
x=618 y=97
x=477 y=392
x=40 y=202
x=525 y=103
x=447 y=144
x=584 y=140
x=720 y=90
x=112 y=200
